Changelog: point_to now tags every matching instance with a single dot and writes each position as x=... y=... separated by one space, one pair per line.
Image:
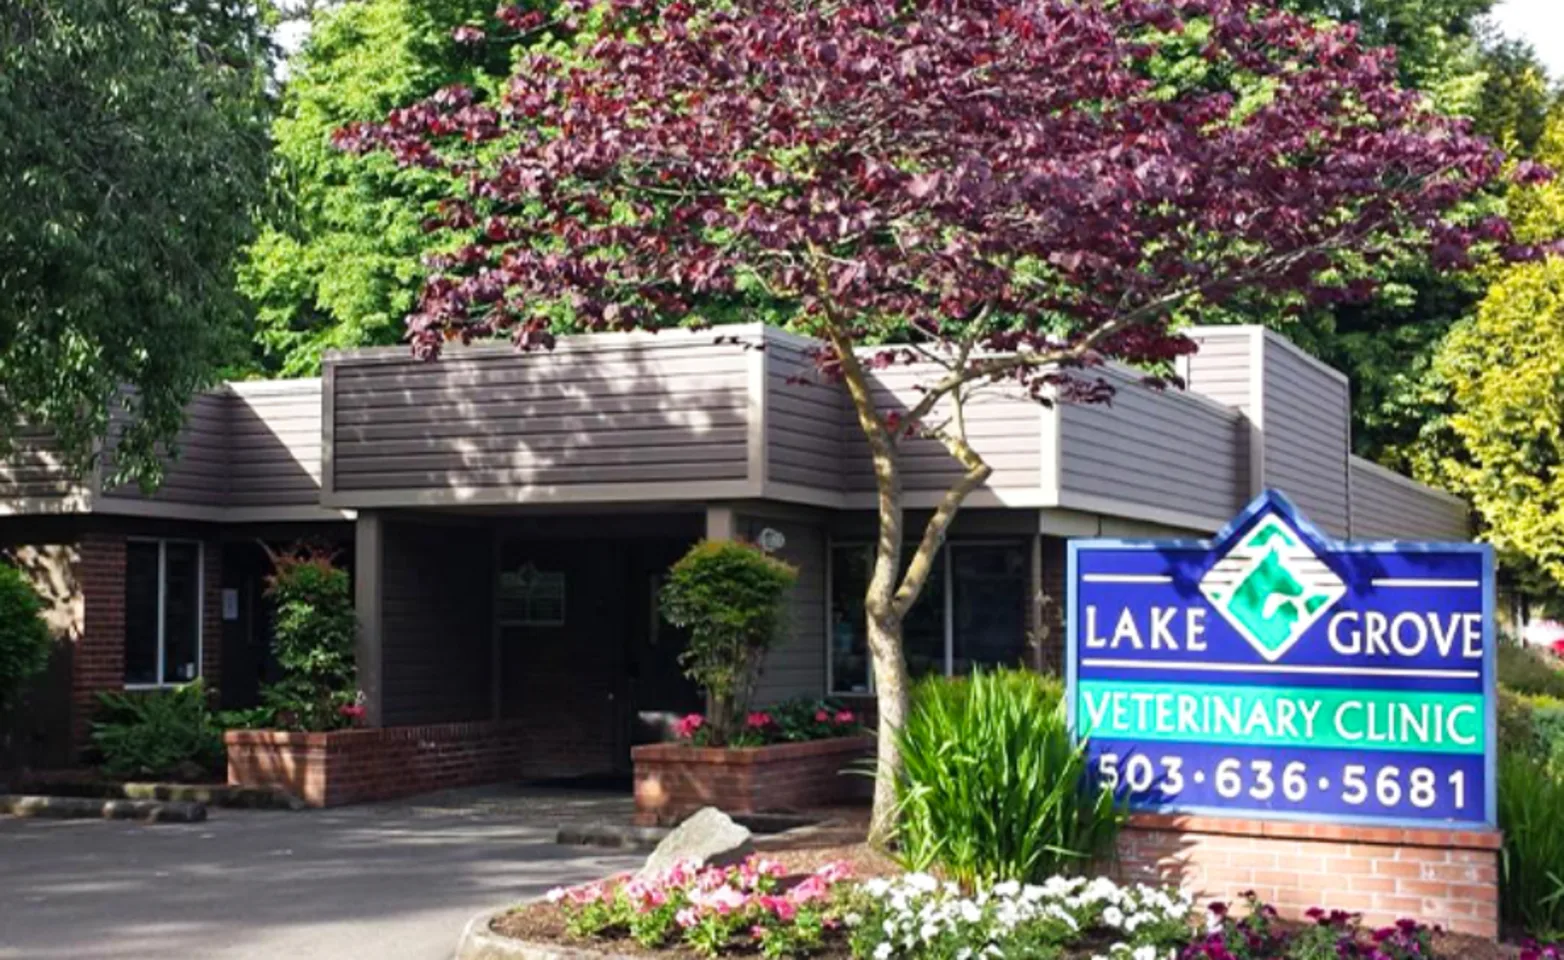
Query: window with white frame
x=162 y=612
x=972 y=612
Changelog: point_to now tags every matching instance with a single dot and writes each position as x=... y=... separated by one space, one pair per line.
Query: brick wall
x=673 y=780
x=1438 y=876
x=99 y=663
x=356 y=766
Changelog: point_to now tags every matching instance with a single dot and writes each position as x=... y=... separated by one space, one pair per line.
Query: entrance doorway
x=584 y=657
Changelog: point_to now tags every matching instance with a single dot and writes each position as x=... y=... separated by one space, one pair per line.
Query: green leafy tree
x=338 y=262
x=132 y=155
x=24 y=636
x=1502 y=444
x=1387 y=344
x=731 y=597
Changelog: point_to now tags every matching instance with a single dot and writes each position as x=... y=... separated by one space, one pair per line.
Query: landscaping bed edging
x=673 y=780
x=84 y=808
x=480 y=942
x=1444 y=877
x=379 y=763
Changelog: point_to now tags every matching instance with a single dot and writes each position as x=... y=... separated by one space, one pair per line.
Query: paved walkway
x=382 y=882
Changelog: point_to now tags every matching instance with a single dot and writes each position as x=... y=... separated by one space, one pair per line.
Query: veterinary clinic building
x=508 y=519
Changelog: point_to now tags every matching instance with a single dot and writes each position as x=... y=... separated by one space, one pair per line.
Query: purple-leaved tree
x=1005 y=192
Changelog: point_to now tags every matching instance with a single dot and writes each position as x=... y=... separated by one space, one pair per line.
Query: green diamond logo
x=1271 y=587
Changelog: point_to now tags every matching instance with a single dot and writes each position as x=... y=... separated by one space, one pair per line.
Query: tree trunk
x=890 y=687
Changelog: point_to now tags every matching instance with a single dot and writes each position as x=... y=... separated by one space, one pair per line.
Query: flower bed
x=825 y=914
x=753 y=908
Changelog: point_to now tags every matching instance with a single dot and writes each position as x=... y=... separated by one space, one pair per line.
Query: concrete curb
x=82 y=808
x=213 y=795
x=478 y=942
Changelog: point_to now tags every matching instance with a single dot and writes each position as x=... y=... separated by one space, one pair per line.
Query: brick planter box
x=355 y=766
x=1438 y=876
x=673 y=780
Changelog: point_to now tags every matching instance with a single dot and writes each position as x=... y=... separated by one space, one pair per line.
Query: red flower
x=821 y=716
x=686 y=728
x=845 y=717
x=759 y=720
x=353 y=711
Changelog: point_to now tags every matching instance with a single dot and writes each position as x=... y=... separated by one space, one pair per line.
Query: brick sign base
x=1384 y=873
x=356 y=766
x=672 y=780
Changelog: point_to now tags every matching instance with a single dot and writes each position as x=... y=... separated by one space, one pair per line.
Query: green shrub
x=314 y=636
x=992 y=786
x=1526 y=669
x=731 y=597
x=24 y=636
x=158 y=734
x=1531 y=884
x=1531 y=725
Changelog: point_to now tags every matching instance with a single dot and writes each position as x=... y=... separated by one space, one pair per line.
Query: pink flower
x=685 y=728
x=784 y=908
x=687 y=918
x=723 y=900
x=822 y=716
x=811 y=889
x=353 y=711
x=836 y=871
x=759 y=720
x=845 y=717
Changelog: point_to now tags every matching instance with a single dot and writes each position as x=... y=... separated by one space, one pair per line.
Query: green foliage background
x=338 y=261
x=133 y=145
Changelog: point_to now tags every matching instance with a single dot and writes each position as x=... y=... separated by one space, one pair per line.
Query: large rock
x=708 y=837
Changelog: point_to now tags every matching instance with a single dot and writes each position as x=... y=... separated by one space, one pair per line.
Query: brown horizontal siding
x=1306 y=434
x=1154 y=449
x=649 y=410
x=1003 y=427
x=1391 y=508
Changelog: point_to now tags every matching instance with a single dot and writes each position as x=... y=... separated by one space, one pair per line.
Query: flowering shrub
x=732 y=597
x=1330 y=935
x=790 y=722
x=917 y=916
x=712 y=910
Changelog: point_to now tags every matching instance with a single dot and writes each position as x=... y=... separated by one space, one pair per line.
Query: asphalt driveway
x=383 y=882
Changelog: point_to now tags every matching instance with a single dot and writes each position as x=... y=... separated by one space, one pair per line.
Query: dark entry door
x=560 y=617
x=659 y=692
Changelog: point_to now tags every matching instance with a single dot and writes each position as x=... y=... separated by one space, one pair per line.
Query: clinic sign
x=1274 y=672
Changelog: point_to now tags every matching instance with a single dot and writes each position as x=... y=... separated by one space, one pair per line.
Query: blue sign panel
x=1276 y=673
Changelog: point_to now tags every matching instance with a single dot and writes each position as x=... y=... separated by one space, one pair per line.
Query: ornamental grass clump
x=993 y=787
x=731 y=597
x=1531 y=881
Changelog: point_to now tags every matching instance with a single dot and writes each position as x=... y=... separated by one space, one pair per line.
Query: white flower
x=1007 y=889
x=882 y=952
x=1145 y=953
x=1113 y=917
